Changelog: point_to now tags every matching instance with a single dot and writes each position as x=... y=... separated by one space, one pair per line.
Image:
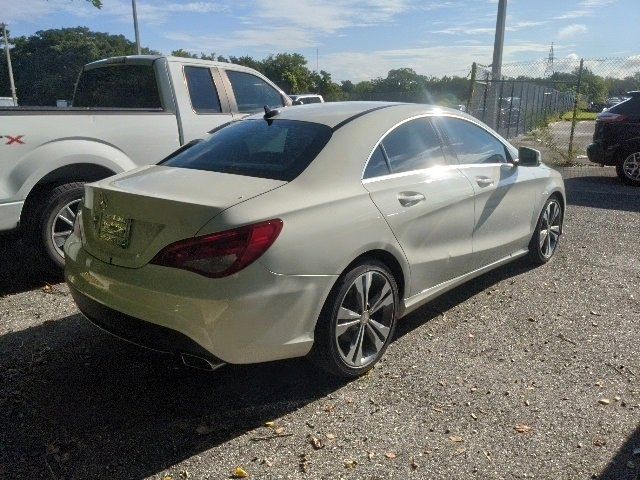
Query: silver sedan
x=307 y=231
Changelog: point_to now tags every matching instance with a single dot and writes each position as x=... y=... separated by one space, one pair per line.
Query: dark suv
x=616 y=140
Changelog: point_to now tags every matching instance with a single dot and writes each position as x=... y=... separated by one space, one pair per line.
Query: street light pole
x=135 y=25
x=9 y=67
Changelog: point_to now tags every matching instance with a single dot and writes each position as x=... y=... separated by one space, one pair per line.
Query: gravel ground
x=522 y=373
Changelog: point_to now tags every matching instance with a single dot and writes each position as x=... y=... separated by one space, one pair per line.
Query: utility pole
x=498 y=43
x=496 y=65
x=135 y=26
x=9 y=68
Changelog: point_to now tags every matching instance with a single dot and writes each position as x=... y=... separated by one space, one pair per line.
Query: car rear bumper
x=598 y=154
x=10 y=215
x=252 y=316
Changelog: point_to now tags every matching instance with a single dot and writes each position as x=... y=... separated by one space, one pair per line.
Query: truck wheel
x=628 y=167
x=53 y=221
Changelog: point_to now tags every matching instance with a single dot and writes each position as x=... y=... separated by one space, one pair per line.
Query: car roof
x=335 y=114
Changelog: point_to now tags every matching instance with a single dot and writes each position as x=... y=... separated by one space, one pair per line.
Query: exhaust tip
x=193 y=361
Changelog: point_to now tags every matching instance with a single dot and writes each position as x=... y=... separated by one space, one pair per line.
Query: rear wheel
x=357 y=321
x=628 y=168
x=547 y=234
x=52 y=216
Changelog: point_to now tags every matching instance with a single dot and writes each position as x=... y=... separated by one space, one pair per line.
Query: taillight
x=609 y=117
x=221 y=254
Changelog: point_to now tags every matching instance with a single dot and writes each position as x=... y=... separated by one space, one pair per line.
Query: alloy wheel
x=365 y=319
x=62 y=225
x=631 y=166
x=550 y=228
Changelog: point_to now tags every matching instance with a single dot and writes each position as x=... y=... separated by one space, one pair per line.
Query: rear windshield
x=629 y=106
x=118 y=86
x=277 y=149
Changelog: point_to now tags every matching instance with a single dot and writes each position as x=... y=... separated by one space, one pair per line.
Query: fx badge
x=13 y=139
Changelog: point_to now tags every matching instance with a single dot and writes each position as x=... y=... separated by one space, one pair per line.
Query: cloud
x=572 y=30
x=431 y=60
x=154 y=13
x=586 y=8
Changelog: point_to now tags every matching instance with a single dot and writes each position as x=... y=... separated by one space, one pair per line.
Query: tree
x=46 y=65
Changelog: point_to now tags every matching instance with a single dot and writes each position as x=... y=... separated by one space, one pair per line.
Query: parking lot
x=522 y=373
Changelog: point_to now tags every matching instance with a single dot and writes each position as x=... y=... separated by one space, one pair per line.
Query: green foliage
x=46 y=65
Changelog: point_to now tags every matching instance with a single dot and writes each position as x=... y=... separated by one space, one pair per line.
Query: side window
x=471 y=143
x=203 y=93
x=377 y=165
x=414 y=145
x=252 y=93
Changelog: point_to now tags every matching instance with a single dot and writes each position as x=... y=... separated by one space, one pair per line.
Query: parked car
x=6 y=102
x=127 y=112
x=616 y=139
x=306 y=98
x=308 y=230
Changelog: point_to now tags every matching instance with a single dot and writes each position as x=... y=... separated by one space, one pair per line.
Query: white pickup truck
x=127 y=112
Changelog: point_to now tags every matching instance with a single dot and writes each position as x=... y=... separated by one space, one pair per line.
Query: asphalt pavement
x=522 y=373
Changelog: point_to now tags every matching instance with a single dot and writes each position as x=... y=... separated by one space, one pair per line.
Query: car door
x=427 y=203
x=251 y=93
x=203 y=102
x=504 y=193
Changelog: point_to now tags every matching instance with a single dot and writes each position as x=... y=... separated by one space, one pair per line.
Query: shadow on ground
x=602 y=192
x=619 y=468
x=77 y=403
x=22 y=268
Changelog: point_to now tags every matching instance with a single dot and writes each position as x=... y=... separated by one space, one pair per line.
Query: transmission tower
x=550 y=70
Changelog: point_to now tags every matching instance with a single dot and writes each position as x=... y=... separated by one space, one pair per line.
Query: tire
x=628 y=167
x=350 y=351
x=546 y=237
x=43 y=218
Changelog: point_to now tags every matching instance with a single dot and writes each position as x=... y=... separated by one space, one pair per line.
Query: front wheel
x=628 y=168
x=544 y=242
x=53 y=215
x=357 y=321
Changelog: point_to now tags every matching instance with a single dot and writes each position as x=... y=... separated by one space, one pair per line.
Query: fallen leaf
x=390 y=455
x=239 y=472
x=370 y=455
x=350 y=464
x=599 y=442
x=269 y=424
x=279 y=430
x=330 y=436
x=522 y=428
x=413 y=465
x=456 y=438
x=474 y=416
x=604 y=401
x=315 y=442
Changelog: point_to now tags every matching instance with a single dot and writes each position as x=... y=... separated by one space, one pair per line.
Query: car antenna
x=270 y=112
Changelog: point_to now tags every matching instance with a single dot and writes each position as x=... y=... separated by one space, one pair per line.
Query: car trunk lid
x=129 y=218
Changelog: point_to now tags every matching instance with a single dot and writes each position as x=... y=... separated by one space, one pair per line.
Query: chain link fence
x=552 y=104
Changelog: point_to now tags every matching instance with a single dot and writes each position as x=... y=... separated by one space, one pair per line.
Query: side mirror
x=298 y=102
x=528 y=157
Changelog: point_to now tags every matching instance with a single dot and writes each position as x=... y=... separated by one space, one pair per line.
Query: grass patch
x=580 y=115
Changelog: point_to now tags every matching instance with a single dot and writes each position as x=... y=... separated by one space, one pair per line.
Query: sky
x=354 y=39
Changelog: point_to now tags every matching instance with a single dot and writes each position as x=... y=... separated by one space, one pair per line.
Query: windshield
x=275 y=149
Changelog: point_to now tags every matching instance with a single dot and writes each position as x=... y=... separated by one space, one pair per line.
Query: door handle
x=408 y=199
x=484 y=181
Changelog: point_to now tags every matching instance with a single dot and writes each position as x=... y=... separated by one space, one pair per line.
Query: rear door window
x=252 y=93
x=628 y=107
x=277 y=149
x=202 y=90
x=118 y=86
x=414 y=145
